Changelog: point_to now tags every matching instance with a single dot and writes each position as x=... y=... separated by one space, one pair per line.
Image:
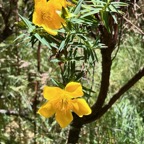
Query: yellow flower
x=62 y=102
x=46 y=14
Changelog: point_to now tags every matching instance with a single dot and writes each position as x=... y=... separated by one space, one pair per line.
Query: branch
x=15 y=113
x=122 y=90
x=106 y=67
x=140 y=30
x=109 y=39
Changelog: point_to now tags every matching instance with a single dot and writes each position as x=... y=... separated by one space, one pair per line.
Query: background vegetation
x=27 y=64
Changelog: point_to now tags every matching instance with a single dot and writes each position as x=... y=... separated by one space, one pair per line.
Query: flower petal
x=52 y=92
x=37 y=2
x=45 y=15
x=46 y=110
x=50 y=31
x=74 y=89
x=80 y=107
x=64 y=118
x=58 y=4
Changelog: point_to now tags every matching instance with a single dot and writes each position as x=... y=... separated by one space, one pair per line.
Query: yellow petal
x=52 y=22
x=46 y=110
x=39 y=10
x=64 y=118
x=37 y=20
x=52 y=92
x=39 y=1
x=50 y=31
x=80 y=107
x=57 y=4
x=74 y=89
x=45 y=15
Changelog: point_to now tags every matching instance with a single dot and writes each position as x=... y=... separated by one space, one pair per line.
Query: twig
x=133 y=25
x=38 y=57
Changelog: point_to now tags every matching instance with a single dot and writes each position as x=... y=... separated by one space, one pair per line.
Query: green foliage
x=122 y=124
x=72 y=55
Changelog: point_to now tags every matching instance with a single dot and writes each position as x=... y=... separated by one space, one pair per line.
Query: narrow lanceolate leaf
x=28 y=24
x=42 y=40
x=91 y=12
x=78 y=8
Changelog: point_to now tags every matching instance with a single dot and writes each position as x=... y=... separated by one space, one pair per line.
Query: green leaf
x=62 y=45
x=119 y=4
x=77 y=10
x=42 y=40
x=28 y=24
x=97 y=10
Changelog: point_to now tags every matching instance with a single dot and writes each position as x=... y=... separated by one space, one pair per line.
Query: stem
x=38 y=57
x=106 y=67
x=74 y=134
x=109 y=39
x=36 y=92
